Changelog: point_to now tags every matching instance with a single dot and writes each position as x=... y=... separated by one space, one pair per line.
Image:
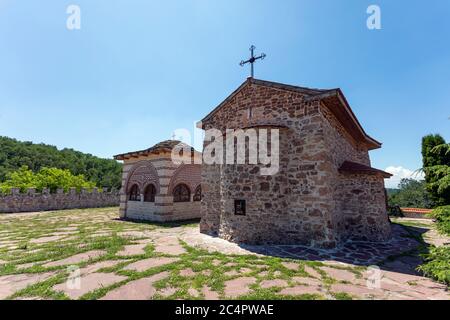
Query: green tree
x=411 y=193
x=436 y=166
x=15 y=154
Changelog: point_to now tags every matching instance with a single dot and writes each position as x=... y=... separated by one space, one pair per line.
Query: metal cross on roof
x=252 y=59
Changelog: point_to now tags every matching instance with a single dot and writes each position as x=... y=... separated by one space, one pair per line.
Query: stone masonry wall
x=292 y=206
x=359 y=200
x=362 y=208
x=33 y=202
x=304 y=202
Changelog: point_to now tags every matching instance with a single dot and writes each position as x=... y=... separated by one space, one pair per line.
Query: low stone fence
x=416 y=213
x=32 y=201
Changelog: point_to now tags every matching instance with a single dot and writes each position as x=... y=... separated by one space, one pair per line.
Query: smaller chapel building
x=155 y=188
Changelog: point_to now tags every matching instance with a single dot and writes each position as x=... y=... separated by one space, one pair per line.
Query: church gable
x=265 y=102
x=256 y=103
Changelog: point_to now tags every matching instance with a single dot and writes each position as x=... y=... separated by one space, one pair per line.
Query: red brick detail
x=189 y=174
x=143 y=173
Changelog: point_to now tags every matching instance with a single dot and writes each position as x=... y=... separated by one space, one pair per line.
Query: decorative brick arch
x=188 y=174
x=142 y=174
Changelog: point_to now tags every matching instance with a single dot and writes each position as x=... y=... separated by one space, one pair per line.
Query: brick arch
x=142 y=173
x=188 y=174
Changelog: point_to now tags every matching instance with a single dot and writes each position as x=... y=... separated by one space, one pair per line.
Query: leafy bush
x=437 y=261
x=50 y=178
x=442 y=216
x=437 y=264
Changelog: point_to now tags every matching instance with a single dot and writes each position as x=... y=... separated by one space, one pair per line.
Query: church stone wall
x=290 y=207
x=362 y=208
x=304 y=202
x=359 y=203
x=31 y=201
x=341 y=145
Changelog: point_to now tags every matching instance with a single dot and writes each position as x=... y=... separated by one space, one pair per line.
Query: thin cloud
x=400 y=173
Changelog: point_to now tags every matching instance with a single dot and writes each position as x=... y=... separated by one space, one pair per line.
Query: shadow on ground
x=400 y=254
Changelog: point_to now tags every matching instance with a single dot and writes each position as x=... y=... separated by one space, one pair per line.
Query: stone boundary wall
x=31 y=201
x=416 y=213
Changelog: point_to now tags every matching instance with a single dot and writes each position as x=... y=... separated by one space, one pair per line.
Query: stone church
x=325 y=191
x=154 y=188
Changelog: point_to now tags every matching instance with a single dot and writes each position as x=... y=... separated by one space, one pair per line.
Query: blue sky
x=137 y=70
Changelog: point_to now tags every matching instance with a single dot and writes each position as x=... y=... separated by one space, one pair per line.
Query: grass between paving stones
x=210 y=268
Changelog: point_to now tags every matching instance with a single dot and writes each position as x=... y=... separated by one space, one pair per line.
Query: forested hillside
x=15 y=154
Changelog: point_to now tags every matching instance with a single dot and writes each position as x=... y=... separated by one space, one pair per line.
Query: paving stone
x=78 y=258
x=339 y=274
x=166 y=292
x=99 y=265
x=393 y=286
x=132 y=234
x=357 y=291
x=307 y=281
x=230 y=264
x=187 y=273
x=313 y=272
x=431 y=284
x=27 y=265
x=146 y=264
x=193 y=292
x=231 y=273
x=12 y=283
x=46 y=239
x=132 y=250
x=245 y=270
x=89 y=283
x=174 y=250
x=273 y=283
x=216 y=262
x=300 y=290
x=144 y=241
x=209 y=294
x=238 y=287
x=141 y=289
x=400 y=277
x=291 y=265
x=30 y=298
x=206 y=273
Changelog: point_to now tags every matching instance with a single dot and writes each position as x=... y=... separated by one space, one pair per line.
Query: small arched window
x=150 y=193
x=198 y=194
x=135 y=193
x=181 y=193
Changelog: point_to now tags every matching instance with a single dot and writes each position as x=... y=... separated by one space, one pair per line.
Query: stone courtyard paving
x=89 y=254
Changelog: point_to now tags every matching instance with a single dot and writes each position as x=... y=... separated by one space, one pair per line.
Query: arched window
x=135 y=193
x=198 y=194
x=149 y=193
x=181 y=193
